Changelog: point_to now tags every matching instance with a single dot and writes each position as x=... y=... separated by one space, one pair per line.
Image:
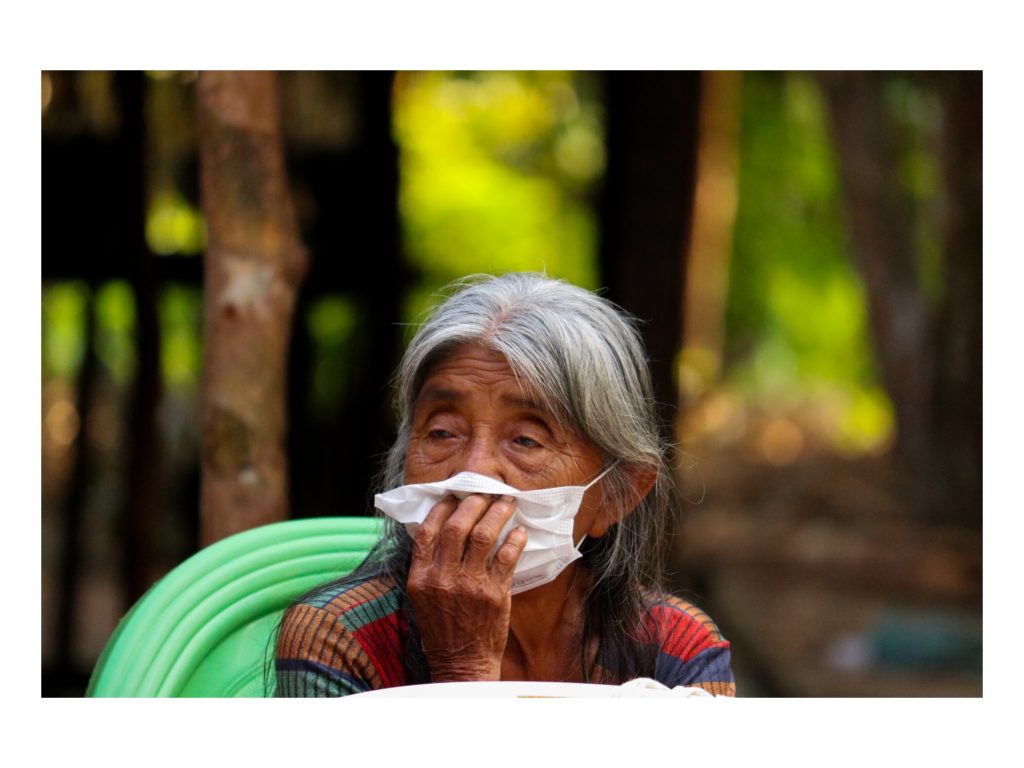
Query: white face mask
x=546 y=514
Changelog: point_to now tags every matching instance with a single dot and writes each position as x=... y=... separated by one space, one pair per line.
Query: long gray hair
x=584 y=357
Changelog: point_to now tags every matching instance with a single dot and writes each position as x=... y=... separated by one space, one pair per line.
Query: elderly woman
x=527 y=497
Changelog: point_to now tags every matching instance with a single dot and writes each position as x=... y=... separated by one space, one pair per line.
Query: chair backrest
x=204 y=629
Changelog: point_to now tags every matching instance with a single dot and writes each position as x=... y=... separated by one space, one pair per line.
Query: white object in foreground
x=642 y=687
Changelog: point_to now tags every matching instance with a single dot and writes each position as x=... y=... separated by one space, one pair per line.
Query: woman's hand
x=461 y=601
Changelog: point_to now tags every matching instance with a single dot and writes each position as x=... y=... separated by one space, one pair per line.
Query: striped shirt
x=353 y=637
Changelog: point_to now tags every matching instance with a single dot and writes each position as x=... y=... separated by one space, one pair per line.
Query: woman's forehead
x=472 y=358
x=471 y=368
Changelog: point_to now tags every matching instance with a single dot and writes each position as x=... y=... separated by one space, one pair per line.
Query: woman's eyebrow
x=524 y=402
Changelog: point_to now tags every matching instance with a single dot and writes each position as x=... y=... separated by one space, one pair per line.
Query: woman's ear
x=641 y=478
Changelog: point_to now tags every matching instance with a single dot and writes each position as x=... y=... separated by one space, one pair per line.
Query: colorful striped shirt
x=353 y=637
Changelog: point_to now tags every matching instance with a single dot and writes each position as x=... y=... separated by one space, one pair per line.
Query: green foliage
x=65 y=305
x=115 y=328
x=63 y=328
x=330 y=322
x=181 y=334
x=796 y=320
x=496 y=170
x=173 y=226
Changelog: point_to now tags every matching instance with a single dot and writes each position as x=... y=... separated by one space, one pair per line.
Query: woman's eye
x=439 y=434
x=526 y=442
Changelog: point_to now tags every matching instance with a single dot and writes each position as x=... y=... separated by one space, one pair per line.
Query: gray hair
x=584 y=357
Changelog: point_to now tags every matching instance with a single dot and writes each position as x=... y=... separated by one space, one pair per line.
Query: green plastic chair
x=204 y=629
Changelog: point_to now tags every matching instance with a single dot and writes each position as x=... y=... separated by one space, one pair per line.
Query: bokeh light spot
x=62 y=422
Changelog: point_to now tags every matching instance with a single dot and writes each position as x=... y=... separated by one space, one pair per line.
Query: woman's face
x=472 y=415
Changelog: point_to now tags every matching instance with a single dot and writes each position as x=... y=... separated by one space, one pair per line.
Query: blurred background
x=804 y=248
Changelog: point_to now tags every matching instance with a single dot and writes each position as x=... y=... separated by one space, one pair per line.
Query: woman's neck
x=546 y=630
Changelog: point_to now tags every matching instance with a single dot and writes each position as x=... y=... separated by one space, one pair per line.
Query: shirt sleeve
x=318 y=656
x=692 y=650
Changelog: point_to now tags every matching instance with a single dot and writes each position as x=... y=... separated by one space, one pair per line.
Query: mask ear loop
x=608 y=469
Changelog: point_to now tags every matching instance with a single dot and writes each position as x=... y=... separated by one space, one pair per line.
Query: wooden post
x=254 y=264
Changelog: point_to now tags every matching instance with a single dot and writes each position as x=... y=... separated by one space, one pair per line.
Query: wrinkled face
x=472 y=415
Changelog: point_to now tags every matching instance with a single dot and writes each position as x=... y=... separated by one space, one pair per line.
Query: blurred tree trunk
x=956 y=408
x=254 y=264
x=653 y=128
x=929 y=355
x=881 y=226
x=710 y=247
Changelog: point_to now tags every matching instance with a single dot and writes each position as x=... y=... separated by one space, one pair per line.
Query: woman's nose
x=482 y=457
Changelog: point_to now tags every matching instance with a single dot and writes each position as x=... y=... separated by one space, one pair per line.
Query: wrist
x=464 y=671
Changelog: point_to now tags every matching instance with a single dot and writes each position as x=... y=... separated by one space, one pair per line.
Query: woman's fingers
x=508 y=554
x=486 y=531
x=428 y=535
x=462 y=534
x=472 y=526
x=459 y=528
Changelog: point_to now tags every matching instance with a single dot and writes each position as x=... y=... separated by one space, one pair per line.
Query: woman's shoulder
x=344 y=637
x=672 y=614
x=680 y=628
x=370 y=597
x=348 y=613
